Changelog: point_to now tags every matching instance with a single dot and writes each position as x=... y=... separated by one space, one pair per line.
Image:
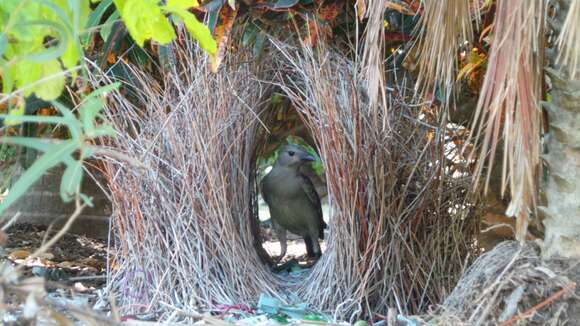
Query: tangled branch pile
x=509 y=285
x=185 y=224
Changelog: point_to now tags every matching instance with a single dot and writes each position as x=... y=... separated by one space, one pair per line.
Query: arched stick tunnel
x=186 y=226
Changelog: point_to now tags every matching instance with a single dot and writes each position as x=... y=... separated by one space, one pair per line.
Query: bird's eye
x=291 y=153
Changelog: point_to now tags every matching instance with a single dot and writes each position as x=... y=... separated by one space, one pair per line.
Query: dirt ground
x=74 y=268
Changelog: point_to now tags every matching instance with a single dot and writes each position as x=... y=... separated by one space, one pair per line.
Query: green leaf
x=108 y=25
x=53 y=85
x=14 y=114
x=57 y=12
x=259 y=44
x=120 y=4
x=250 y=33
x=213 y=11
x=70 y=183
x=45 y=54
x=71 y=55
x=50 y=159
x=102 y=131
x=88 y=112
x=71 y=121
x=27 y=75
x=33 y=143
x=87 y=200
x=97 y=14
x=78 y=12
x=103 y=90
x=24 y=73
x=3 y=43
x=36 y=118
x=144 y=20
x=198 y=30
x=182 y=4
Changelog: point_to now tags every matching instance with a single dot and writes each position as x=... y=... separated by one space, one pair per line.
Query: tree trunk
x=561 y=212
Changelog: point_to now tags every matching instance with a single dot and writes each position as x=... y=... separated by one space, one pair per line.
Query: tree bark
x=561 y=213
x=562 y=187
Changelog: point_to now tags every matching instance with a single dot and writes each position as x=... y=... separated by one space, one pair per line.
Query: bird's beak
x=307 y=157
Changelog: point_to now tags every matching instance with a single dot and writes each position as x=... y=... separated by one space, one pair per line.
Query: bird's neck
x=284 y=169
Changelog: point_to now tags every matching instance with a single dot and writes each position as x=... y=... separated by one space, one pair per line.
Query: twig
x=11 y=221
x=87 y=278
x=530 y=312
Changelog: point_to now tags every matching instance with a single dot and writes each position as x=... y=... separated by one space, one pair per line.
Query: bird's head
x=293 y=156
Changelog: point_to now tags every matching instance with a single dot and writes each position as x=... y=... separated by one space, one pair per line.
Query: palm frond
x=508 y=105
x=373 y=54
x=445 y=26
x=569 y=41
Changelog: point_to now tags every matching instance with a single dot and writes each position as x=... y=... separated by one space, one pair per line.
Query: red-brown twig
x=530 y=312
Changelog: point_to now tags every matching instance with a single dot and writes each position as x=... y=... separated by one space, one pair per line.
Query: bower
x=186 y=227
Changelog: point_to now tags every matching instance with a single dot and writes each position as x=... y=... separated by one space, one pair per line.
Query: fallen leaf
x=93 y=262
x=67 y=264
x=19 y=254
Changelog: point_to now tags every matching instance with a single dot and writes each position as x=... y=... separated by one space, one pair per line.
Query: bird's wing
x=264 y=191
x=312 y=195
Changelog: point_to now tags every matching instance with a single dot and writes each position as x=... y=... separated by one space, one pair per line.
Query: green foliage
x=41 y=44
x=71 y=152
x=198 y=30
x=96 y=17
x=40 y=38
x=41 y=41
x=145 y=19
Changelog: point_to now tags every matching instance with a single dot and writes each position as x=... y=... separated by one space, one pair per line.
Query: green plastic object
x=273 y=306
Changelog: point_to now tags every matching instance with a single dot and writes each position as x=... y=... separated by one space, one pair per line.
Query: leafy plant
x=39 y=45
x=145 y=19
x=41 y=41
x=70 y=152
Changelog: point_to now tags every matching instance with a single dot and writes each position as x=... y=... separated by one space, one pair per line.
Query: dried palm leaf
x=508 y=105
x=373 y=54
x=445 y=26
x=569 y=41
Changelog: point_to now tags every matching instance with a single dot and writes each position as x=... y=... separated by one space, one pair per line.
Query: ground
x=74 y=268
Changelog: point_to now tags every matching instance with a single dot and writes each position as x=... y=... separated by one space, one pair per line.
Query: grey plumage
x=292 y=199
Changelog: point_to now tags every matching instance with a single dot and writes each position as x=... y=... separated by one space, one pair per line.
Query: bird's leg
x=309 y=248
x=281 y=233
x=315 y=246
